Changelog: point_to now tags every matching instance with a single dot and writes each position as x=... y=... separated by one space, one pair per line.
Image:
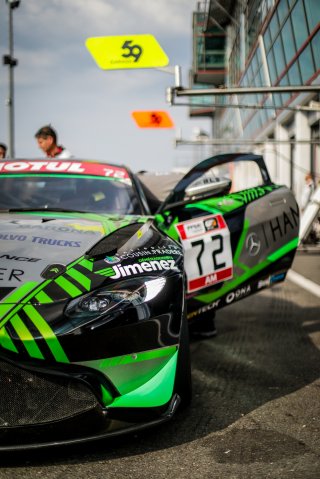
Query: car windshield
x=69 y=193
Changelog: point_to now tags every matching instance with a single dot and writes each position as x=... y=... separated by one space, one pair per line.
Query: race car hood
x=30 y=244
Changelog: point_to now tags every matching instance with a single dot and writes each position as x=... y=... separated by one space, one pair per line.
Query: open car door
x=238 y=229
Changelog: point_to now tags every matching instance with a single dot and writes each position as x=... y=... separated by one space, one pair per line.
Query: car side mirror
x=208 y=185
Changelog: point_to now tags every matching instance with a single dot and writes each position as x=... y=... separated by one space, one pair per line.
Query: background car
x=99 y=274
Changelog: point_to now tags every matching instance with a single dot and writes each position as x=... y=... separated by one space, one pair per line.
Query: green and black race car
x=100 y=278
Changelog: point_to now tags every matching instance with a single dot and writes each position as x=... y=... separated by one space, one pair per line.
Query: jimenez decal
x=74 y=167
x=118 y=271
x=207 y=248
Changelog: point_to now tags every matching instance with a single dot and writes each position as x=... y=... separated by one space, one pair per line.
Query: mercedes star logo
x=253 y=244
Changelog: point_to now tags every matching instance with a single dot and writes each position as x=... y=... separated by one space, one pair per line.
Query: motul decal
x=73 y=167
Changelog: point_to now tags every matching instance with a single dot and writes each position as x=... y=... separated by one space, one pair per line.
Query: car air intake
x=29 y=398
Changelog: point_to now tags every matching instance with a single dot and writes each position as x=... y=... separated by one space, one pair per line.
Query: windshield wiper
x=59 y=210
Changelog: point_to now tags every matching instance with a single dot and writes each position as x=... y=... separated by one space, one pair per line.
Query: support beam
x=243 y=141
x=245 y=90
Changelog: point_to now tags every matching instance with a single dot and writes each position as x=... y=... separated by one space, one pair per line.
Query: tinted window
x=89 y=194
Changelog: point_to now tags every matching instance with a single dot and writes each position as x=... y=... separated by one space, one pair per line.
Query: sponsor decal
x=238 y=293
x=207 y=251
x=277 y=277
x=192 y=229
x=204 y=309
x=55 y=242
x=253 y=244
x=112 y=259
x=13 y=237
x=251 y=194
x=280 y=226
x=155 y=258
x=93 y=229
x=199 y=226
x=210 y=279
x=19 y=258
x=72 y=167
x=11 y=274
x=211 y=224
x=119 y=271
x=53 y=270
x=72 y=228
x=226 y=202
x=263 y=283
x=153 y=251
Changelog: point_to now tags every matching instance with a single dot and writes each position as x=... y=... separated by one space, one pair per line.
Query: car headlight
x=108 y=301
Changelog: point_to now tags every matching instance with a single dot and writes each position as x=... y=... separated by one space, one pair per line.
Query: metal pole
x=11 y=88
x=246 y=90
x=242 y=141
x=11 y=62
x=177 y=76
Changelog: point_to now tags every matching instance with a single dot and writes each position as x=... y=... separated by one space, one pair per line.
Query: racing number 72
x=215 y=251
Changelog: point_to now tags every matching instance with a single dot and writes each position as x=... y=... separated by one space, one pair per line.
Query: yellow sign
x=127 y=51
x=152 y=119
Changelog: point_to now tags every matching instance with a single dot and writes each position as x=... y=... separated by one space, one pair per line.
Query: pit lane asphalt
x=255 y=411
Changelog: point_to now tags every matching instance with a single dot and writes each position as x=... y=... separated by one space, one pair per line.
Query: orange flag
x=152 y=119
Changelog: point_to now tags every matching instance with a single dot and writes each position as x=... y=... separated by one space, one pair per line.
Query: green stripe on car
x=47 y=333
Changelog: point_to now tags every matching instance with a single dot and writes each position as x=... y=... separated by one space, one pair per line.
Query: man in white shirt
x=47 y=140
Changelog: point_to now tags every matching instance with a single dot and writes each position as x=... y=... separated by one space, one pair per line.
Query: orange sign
x=152 y=119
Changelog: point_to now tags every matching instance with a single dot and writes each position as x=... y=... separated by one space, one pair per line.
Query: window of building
x=272 y=67
x=249 y=75
x=312 y=9
x=282 y=10
x=279 y=55
x=285 y=82
x=306 y=64
x=274 y=27
x=267 y=40
x=299 y=24
x=277 y=100
x=288 y=41
x=294 y=74
x=254 y=63
x=315 y=44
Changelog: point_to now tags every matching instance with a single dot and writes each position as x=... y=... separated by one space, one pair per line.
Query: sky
x=58 y=82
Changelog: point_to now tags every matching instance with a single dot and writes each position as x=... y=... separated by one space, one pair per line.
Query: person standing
x=3 y=151
x=307 y=192
x=48 y=142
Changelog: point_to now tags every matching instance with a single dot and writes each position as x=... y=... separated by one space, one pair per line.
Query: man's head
x=3 y=150
x=308 y=178
x=47 y=139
